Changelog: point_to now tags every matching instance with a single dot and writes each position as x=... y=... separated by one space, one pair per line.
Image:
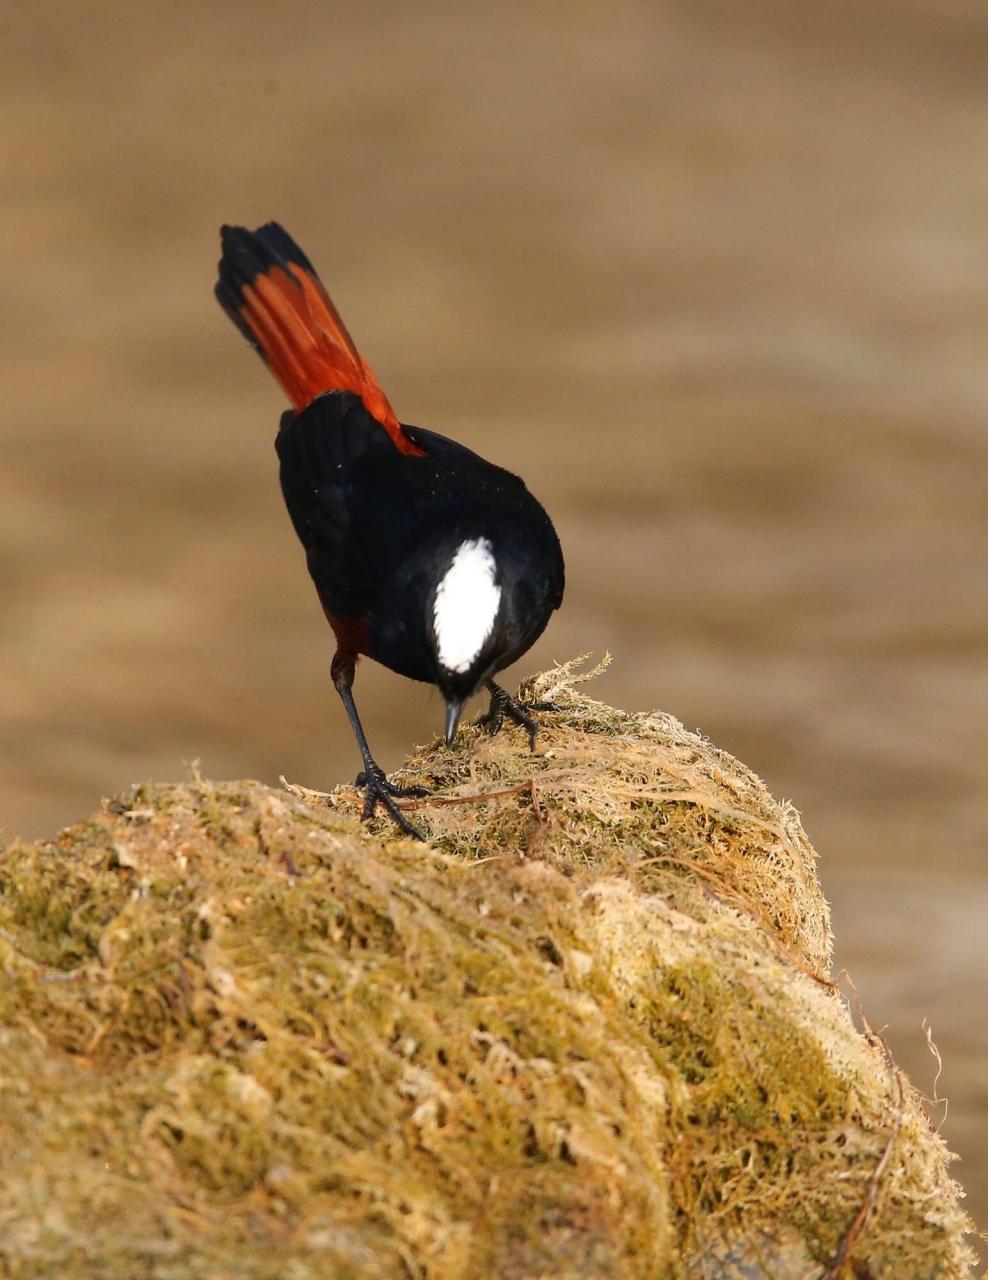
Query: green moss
x=583 y=1034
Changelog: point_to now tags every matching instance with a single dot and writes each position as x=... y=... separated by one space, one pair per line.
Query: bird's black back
x=370 y=516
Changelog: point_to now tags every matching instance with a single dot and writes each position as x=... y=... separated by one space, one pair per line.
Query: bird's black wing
x=358 y=504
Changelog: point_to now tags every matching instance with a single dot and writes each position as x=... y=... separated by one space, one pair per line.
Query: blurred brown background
x=711 y=275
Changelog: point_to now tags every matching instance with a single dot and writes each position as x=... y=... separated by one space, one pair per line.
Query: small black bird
x=426 y=557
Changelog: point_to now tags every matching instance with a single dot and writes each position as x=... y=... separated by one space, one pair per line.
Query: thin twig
x=850 y=1238
x=474 y=798
x=749 y=907
x=703 y=800
x=936 y=1100
x=302 y=793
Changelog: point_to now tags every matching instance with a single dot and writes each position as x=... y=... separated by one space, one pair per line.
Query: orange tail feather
x=272 y=293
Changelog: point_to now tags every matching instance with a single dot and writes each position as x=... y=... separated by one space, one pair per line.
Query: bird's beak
x=454 y=709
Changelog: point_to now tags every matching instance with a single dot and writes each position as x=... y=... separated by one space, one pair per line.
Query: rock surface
x=588 y=1030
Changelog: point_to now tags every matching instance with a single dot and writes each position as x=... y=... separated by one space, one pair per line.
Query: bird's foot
x=503 y=707
x=379 y=791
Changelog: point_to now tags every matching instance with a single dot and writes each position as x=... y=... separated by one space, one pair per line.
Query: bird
x=426 y=558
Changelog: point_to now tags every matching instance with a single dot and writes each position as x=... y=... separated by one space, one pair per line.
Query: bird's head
x=466 y=624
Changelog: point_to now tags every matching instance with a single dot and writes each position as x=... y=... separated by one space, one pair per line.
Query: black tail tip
x=246 y=255
x=266 y=246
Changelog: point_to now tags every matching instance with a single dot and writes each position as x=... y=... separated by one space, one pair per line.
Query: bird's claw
x=379 y=791
x=378 y=779
x=503 y=706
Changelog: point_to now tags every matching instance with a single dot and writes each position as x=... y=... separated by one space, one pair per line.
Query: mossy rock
x=587 y=1031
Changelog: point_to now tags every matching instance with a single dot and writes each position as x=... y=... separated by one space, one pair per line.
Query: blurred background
x=711 y=276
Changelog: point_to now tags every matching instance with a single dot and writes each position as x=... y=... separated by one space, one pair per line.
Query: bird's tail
x=271 y=292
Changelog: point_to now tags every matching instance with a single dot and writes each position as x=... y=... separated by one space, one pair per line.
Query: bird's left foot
x=503 y=707
x=379 y=791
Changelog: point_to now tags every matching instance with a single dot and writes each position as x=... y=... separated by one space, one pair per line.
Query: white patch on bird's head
x=467 y=601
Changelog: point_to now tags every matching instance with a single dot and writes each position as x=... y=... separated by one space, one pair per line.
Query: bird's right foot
x=379 y=791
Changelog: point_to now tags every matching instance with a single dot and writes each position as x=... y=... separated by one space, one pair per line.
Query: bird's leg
x=377 y=789
x=503 y=705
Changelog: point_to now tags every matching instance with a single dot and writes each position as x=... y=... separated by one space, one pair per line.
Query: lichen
x=588 y=1030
